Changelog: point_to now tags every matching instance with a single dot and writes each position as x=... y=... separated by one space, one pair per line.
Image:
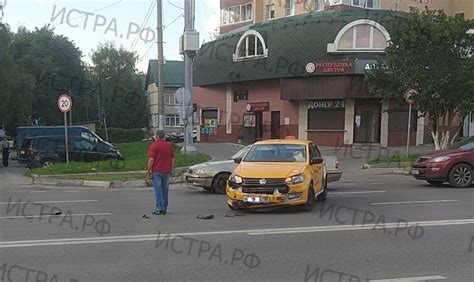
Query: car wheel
x=47 y=163
x=310 y=200
x=435 y=183
x=460 y=176
x=323 y=196
x=219 y=184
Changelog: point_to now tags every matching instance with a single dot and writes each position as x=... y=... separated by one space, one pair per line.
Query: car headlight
x=295 y=179
x=439 y=159
x=236 y=179
x=199 y=171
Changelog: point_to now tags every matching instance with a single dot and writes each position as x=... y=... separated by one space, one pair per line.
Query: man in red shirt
x=160 y=166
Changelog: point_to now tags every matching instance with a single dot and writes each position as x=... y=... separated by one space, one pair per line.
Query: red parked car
x=454 y=165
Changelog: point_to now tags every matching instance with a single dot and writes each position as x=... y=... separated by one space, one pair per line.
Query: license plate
x=256 y=200
x=415 y=171
x=22 y=152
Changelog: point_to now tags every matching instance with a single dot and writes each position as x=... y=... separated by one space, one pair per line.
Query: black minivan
x=46 y=151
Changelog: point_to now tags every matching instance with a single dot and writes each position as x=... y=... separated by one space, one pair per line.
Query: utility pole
x=190 y=45
x=161 y=85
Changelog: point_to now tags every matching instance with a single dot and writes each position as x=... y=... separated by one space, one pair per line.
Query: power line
x=174 y=5
x=149 y=48
x=144 y=22
x=173 y=21
x=113 y=4
x=170 y=24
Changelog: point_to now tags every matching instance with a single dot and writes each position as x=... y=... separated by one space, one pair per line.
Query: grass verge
x=135 y=159
x=392 y=159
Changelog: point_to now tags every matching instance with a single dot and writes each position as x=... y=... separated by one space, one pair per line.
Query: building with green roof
x=173 y=72
x=303 y=76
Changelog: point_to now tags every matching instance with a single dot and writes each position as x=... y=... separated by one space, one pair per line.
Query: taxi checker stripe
x=153 y=237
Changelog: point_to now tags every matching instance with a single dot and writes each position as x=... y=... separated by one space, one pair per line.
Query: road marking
x=153 y=237
x=46 y=215
x=52 y=202
x=415 y=202
x=419 y=278
x=361 y=227
x=356 y=192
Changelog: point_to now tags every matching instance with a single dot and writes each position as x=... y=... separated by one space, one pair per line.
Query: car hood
x=443 y=153
x=269 y=170
x=215 y=164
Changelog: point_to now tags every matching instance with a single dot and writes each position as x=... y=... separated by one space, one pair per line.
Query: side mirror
x=316 y=161
x=237 y=160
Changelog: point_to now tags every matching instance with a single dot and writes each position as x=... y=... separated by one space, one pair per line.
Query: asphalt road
x=377 y=228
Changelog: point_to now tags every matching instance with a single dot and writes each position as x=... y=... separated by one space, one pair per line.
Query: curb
x=99 y=184
x=401 y=165
x=51 y=181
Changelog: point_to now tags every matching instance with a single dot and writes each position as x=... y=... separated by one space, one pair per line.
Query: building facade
x=173 y=79
x=236 y=14
x=273 y=80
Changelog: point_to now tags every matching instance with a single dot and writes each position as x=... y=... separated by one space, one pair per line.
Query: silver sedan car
x=213 y=175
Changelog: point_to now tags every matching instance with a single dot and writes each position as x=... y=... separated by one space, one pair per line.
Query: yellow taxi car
x=277 y=173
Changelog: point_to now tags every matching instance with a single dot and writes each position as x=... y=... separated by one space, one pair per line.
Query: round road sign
x=64 y=103
x=409 y=96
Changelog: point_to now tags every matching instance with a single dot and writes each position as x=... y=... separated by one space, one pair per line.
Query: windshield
x=240 y=153
x=465 y=144
x=276 y=153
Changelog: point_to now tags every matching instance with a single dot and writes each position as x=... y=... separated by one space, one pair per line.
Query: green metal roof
x=292 y=42
x=173 y=72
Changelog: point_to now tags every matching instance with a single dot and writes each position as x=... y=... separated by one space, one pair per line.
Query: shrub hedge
x=122 y=135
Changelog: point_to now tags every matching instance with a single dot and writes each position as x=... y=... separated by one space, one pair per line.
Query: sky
x=88 y=23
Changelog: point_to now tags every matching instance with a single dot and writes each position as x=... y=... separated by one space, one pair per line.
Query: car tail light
x=337 y=164
x=31 y=153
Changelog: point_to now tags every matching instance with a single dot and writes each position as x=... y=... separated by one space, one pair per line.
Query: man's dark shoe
x=163 y=212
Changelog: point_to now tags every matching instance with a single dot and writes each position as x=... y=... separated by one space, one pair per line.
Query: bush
x=122 y=135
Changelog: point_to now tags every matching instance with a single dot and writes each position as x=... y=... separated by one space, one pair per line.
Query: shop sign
x=326 y=104
x=361 y=66
x=330 y=67
x=258 y=107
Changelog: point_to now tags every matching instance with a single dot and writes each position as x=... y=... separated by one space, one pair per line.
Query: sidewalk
x=351 y=159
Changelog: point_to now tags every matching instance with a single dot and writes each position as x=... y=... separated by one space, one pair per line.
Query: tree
x=430 y=52
x=55 y=63
x=119 y=89
x=15 y=87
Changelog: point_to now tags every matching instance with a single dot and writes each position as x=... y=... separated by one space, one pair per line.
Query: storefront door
x=275 y=126
x=367 y=121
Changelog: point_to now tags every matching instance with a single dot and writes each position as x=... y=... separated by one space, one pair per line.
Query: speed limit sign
x=64 y=103
x=410 y=95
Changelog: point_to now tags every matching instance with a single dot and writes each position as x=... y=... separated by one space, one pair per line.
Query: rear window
x=26 y=143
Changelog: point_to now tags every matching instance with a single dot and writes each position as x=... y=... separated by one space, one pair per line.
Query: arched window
x=250 y=46
x=361 y=36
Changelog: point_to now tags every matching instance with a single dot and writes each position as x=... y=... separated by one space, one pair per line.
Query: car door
x=85 y=149
x=317 y=169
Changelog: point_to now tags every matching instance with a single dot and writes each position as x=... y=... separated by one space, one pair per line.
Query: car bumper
x=334 y=176
x=438 y=173
x=297 y=195
x=198 y=180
